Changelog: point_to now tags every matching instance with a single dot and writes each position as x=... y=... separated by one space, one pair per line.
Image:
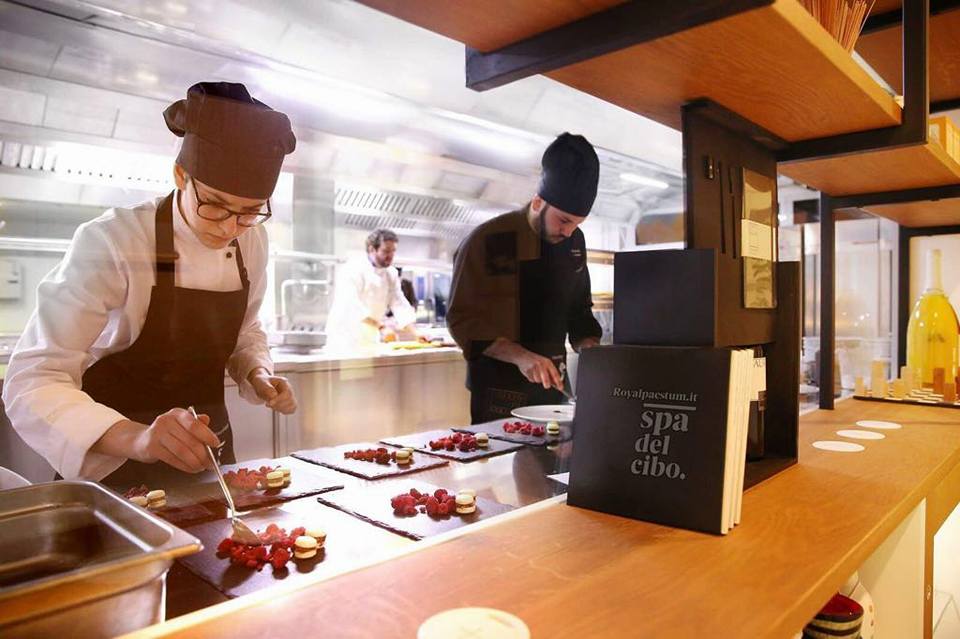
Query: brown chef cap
x=231 y=141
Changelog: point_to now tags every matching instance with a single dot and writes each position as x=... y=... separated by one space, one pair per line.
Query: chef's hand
x=177 y=439
x=539 y=369
x=274 y=390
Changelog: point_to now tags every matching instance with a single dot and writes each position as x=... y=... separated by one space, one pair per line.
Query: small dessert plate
x=562 y=413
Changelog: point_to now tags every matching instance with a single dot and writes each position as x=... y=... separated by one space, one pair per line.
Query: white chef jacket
x=94 y=303
x=364 y=290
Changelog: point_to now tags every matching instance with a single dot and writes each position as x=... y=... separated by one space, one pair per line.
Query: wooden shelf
x=944 y=212
x=882 y=50
x=910 y=167
x=775 y=65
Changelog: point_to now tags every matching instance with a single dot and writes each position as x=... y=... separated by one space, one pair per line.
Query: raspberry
x=443 y=509
x=225 y=546
x=410 y=510
x=415 y=493
x=279 y=558
x=251 y=563
x=440 y=493
x=374 y=455
x=457 y=438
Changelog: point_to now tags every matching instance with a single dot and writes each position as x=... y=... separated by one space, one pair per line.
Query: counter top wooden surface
x=569 y=572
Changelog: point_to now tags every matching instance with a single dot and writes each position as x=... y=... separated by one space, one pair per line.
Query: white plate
x=838 y=447
x=860 y=434
x=562 y=413
x=872 y=423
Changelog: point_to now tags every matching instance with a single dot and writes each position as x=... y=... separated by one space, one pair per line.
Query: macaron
x=156 y=499
x=483 y=440
x=468 y=491
x=403 y=457
x=408 y=449
x=286 y=475
x=139 y=500
x=466 y=504
x=305 y=547
x=319 y=534
x=553 y=428
x=275 y=479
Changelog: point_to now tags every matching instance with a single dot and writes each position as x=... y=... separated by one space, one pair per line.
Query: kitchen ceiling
x=371 y=97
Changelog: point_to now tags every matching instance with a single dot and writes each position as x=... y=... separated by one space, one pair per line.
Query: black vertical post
x=903 y=292
x=916 y=72
x=828 y=248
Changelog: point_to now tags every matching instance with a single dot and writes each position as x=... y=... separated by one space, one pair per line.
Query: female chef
x=152 y=304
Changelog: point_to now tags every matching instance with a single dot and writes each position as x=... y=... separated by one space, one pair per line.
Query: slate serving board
x=332 y=457
x=235 y=581
x=495 y=430
x=198 y=498
x=421 y=441
x=372 y=504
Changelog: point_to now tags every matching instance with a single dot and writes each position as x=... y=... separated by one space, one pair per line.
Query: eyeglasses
x=219 y=213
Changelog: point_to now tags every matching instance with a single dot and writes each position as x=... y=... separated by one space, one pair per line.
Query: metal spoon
x=242 y=533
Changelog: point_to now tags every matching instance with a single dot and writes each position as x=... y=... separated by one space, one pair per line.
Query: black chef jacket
x=509 y=283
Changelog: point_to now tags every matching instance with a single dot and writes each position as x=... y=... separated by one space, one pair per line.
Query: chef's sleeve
x=581 y=323
x=42 y=391
x=252 y=350
x=482 y=306
x=403 y=313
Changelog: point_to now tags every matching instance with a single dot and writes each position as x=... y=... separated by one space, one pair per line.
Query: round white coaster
x=872 y=423
x=838 y=447
x=860 y=434
x=467 y=623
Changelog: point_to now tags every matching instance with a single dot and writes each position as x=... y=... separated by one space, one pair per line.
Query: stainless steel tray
x=77 y=558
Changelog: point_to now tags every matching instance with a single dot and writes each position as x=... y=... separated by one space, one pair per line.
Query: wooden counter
x=569 y=572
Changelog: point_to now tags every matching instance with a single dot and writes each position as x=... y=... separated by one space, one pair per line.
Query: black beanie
x=231 y=141
x=570 y=175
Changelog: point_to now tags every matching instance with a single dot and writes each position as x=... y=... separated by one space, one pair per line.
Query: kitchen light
x=147 y=77
x=334 y=96
x=645 y=181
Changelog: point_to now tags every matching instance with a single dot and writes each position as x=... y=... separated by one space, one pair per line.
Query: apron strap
x=166 y=256
x=240 y=267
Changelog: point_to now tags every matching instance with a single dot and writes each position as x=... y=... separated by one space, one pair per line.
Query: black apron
x=545 y=293
x=177 y=361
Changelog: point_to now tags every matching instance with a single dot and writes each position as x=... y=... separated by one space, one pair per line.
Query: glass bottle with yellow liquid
x=933 y=329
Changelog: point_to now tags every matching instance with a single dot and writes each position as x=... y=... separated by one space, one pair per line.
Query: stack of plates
x=839 y=619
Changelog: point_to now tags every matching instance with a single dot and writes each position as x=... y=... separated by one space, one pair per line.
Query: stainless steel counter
x=320 y=361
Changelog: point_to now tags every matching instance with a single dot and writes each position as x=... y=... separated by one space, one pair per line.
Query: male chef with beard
x=521 y=289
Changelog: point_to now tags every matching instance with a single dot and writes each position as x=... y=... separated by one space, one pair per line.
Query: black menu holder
x=696 y=297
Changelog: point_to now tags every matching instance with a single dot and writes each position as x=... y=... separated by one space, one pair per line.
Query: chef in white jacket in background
x=366 y=288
